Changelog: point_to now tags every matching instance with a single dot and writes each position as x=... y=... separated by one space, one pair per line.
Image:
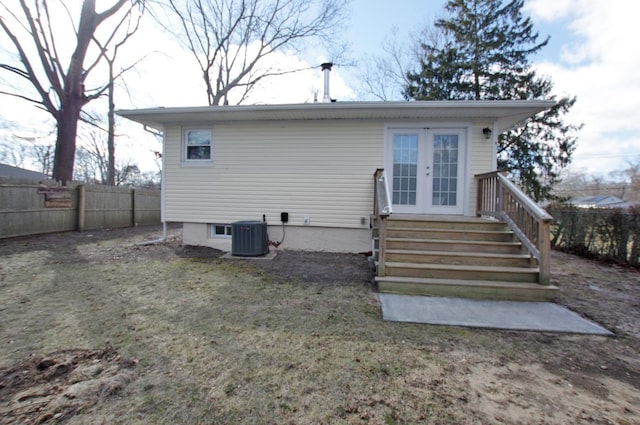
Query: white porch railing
x=381 y=210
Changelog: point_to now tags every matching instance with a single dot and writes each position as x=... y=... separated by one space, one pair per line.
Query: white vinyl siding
x=481 y=160
x=317 y=169
x=322 y=170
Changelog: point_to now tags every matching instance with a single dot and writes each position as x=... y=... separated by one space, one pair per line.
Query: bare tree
x=92 y=156
x=128 y=175
x=623 y=183
x=92 y=162
x=43 y=156
x=631 y=175
x=384 y=75
x=110 y=58
x=58 y=78
x=87 y=168
x=27 y=154
x=25 y=150
x=231 y=38
x=13 y=154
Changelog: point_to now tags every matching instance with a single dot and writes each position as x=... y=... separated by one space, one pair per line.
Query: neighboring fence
x=605 y=233
x=27 y=208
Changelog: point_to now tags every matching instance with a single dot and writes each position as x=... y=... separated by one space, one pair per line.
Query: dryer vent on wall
x=249 y=238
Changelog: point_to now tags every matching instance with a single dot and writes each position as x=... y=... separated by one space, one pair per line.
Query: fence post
x=133 y=208
x=81 y=207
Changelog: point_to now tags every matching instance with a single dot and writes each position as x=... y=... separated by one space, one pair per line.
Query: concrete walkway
x=513 y=315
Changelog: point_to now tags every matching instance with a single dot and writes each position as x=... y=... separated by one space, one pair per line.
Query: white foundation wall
x=296 y=238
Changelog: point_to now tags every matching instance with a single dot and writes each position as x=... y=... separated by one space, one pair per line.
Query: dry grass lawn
x=97 y=330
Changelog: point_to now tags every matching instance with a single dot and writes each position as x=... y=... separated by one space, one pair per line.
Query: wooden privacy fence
x=27 y=208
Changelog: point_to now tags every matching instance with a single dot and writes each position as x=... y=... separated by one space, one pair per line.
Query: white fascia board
x=506 y=113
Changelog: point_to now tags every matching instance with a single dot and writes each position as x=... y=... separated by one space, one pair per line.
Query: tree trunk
x=66 y=142
x=111 y=136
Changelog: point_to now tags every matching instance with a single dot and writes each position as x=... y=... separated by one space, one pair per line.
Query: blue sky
x=593 y=54
x=372 y=21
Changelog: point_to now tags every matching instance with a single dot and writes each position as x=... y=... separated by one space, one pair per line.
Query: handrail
x=382 y=195
x=381 y=210
x=498 y=197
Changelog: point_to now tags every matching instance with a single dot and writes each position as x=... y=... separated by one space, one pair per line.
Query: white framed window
x=198 y=145
x=219 y=231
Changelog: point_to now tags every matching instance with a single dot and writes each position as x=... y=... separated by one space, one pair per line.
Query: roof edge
x=511 y=110
x=418 y=104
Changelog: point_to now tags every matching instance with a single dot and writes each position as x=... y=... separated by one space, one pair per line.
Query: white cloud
x=549 y=10
x=171 y=76
x=600 y=66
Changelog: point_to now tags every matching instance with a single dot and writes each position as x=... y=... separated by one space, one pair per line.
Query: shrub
x=611 y=234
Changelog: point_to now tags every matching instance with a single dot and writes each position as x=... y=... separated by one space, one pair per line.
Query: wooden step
x=512 y=247
x=501 y=235
x=477 y=289
x=465 y=257
x=459 y=223
x=459 y=258
x=462 y=272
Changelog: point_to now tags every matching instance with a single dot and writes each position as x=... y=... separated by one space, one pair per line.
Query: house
x=601 y=201
x=316 y=163
x=12 y=172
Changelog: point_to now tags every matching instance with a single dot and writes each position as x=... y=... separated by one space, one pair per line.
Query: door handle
x=428 y=171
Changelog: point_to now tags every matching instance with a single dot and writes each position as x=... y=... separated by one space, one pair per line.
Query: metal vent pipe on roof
x=326 y=68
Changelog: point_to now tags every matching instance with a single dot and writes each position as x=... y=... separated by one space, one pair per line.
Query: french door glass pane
x=405 y=168
x=445 y=170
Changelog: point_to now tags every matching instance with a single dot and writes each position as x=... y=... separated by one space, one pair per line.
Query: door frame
x=464 y=128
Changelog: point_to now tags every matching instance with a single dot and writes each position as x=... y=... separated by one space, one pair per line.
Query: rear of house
x=316 y=163
x=319 y=172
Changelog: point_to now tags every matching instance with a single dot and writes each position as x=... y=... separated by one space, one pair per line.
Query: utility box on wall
x=249 y=238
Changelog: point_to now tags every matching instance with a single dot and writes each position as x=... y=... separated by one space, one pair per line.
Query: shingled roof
x=20 y=173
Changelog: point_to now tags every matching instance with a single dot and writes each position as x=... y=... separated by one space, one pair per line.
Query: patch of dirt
x=323 y=268
x=304 y=267
x=57 y=386
x=606 y=293
x=191 y=251
x=128 y=244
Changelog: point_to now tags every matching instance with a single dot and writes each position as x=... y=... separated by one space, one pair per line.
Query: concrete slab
x=511 y=315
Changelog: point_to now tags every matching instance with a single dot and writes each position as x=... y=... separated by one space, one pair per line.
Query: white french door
x=427 y=170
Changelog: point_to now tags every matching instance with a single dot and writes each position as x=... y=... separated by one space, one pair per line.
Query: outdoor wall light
x=487 y=133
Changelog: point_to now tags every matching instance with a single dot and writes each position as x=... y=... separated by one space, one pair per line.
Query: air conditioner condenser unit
x=249 y=238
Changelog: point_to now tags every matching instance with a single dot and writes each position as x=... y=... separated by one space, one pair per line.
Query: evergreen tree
x=484 y=55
